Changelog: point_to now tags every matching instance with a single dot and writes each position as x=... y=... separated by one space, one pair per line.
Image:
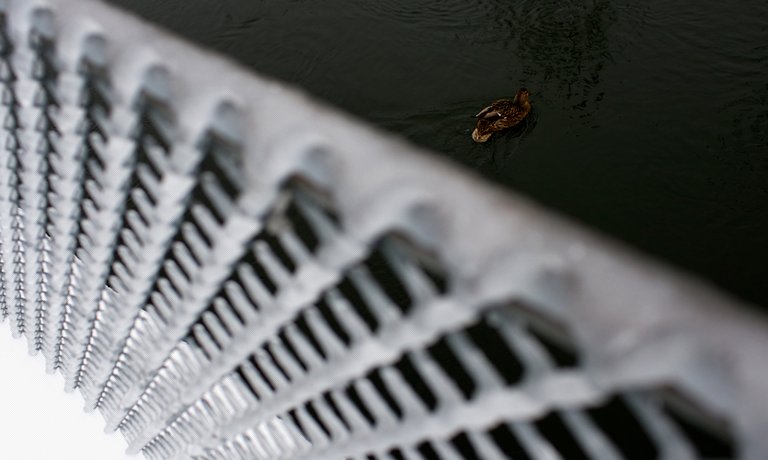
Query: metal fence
x=226 y=269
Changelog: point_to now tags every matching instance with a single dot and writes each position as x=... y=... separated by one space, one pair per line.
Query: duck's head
x=522 y=96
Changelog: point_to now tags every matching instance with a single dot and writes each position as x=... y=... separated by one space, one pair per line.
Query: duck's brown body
x=500 y=115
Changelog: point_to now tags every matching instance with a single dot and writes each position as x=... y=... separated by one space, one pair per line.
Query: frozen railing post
x=211 y=259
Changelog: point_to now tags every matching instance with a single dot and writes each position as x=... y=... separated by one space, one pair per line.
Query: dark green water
x=651 y=116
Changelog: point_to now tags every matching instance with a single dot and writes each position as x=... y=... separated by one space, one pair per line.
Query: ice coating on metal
x=225 y=278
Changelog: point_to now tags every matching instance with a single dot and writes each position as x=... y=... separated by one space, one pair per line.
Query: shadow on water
x=563 y=46
x=650 y=122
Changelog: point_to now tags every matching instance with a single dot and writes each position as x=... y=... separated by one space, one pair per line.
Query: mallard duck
x=501 y=115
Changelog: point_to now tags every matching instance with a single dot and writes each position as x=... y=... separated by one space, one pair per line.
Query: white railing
x=226 y=269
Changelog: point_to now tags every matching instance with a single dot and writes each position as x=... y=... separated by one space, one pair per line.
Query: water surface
x=651 y=116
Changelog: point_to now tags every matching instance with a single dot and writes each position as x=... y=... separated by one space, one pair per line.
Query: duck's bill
x=477 y=137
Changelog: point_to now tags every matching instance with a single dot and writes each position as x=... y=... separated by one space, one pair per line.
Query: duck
x=502 y=114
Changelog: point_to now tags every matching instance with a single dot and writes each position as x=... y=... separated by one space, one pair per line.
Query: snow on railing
x=226 y=269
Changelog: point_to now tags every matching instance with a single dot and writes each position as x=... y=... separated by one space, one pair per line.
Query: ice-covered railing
x=226 y=269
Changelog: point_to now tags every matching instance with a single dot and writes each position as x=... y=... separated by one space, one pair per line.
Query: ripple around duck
x=430 y=13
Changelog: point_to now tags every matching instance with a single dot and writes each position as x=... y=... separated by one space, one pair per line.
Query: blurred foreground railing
x=226 y=269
